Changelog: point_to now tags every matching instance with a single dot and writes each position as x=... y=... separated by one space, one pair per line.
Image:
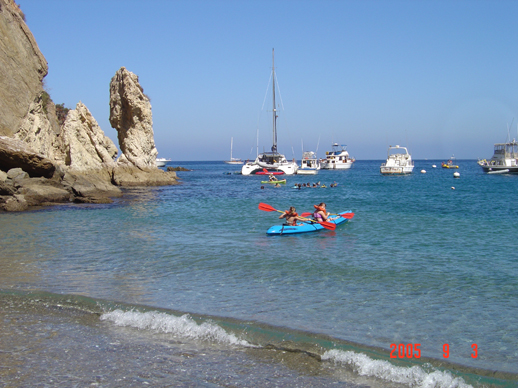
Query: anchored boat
x=450 y=163
x=399 y=162
x=504 y=160
x=161 y=162
x=273 y=161
x=337 y=159
x=309 y=164
x=233 y=160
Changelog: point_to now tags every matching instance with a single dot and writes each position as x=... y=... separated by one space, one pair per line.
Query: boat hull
x=337 y=166
x=162 y=162
x=256 y=169
x=307 y=171
x=500 y=169
x=303 y=227
x=396 y=170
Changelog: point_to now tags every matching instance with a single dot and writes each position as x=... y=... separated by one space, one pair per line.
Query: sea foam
x=183 y=326
x=414 y=376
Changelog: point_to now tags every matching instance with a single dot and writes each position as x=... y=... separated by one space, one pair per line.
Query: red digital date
x=446 y=351
x=408 y=351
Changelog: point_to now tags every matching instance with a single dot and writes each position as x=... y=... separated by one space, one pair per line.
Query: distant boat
x=233 y=160
x=399 y=162
x=449 y=163
x=504 y=160
x=309 y=164
x=161 y=162
x=271 y=162
x=337 y=159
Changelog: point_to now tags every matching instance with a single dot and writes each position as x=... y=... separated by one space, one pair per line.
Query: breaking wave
x=183 y=326
x=414 y=376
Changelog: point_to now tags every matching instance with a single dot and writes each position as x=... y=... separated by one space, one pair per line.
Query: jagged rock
x=169 y=168
x=87 y=147
x=40 y=190
x=126 y=175
x=14 y=153
x=94 y=184
x=17 y=173
x=130 y=115
x=7 y=188
x=41 y=132
x=22 y=65
x=16 y=203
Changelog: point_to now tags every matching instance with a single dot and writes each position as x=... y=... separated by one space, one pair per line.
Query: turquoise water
x=428 y=259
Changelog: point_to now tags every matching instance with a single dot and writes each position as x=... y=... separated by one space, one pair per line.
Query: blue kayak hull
x=304 y=227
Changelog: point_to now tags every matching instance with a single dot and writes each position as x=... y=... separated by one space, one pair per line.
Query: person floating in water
x=291 y=216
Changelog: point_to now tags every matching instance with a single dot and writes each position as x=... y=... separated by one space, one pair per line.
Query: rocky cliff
x=42 y=161
x=22 y=65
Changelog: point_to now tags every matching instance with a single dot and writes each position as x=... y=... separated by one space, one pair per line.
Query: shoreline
x=33 y=308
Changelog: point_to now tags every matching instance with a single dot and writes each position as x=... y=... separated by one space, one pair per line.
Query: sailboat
x=233 y=160
x=271 y=162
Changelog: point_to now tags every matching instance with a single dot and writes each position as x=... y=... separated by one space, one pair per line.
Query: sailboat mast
x=274 y=146
x=231 y=143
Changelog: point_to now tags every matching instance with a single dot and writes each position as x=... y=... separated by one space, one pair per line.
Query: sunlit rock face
x=130 y=115
x=22 y=68
x=87 y=147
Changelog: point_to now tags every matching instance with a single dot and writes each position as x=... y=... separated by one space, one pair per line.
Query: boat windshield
x=393 y=151
x=272 y=157
x=337 y=149
x=508 y=149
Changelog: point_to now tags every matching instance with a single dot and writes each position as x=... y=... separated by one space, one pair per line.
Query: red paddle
x=345 y=215
x=267 y=208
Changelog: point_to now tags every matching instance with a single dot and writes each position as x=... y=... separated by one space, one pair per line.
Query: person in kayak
x=291 y=216
x=320 y=213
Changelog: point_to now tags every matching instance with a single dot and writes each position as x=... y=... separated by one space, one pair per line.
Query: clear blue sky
x=440 y=77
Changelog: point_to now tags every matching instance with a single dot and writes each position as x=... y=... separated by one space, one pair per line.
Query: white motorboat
x=504 y=160
x=309 y=164
x=233 y=160
x=337 y=159
x=161 y=162
x=399 y=162
x=271 y=162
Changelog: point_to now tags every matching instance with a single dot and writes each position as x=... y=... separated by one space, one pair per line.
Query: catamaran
x=271 y=162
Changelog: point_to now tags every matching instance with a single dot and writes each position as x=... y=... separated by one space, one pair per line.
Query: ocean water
x=181 y=286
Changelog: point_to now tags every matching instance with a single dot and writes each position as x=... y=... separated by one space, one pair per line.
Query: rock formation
x=16 y=154
x=86 y=145
x=130 y=115
x=43 y=162
x=22 y=65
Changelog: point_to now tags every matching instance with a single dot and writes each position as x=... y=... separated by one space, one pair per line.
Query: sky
x=439 y=77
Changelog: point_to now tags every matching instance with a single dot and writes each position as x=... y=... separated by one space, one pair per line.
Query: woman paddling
x=320 y=214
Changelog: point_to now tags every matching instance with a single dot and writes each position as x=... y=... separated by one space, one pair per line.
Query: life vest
x=320 y=208
x=289 y=215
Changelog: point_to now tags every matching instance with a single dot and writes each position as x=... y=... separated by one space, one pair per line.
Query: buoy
x=456 y=174
x=433 y=166
x=453 y=188
x=423 y=171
